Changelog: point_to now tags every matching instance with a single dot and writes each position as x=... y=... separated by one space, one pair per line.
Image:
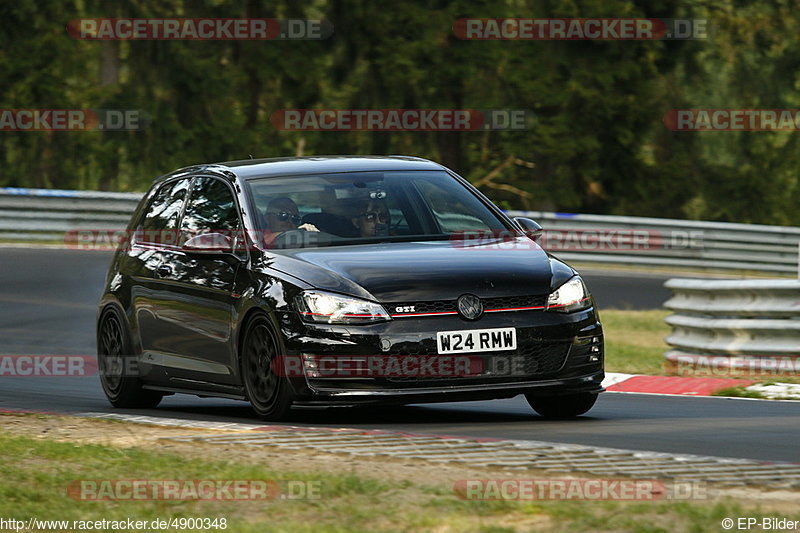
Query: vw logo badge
x=470 y=306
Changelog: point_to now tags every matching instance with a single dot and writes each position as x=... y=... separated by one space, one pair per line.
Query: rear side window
x=160 y=222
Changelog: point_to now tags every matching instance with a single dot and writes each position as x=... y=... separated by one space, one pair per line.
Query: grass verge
x=635 y=341
x=35 y=474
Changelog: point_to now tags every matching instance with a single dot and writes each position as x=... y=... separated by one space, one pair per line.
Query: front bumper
x=556 y=353
x=456 y=393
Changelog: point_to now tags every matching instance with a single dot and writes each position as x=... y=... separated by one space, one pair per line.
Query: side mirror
x=209 y=243
x=529 y=227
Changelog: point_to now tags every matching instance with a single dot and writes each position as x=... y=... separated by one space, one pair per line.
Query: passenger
x=373 y=219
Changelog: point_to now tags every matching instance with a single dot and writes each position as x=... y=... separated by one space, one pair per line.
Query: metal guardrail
x=677 y=243
x=46 y=214
x=735 y=319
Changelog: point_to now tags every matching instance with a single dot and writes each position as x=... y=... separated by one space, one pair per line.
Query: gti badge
x=470 y=306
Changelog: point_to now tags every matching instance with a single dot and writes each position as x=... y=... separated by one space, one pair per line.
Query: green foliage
x=598 y=143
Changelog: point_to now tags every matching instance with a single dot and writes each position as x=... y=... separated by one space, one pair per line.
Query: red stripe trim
x=438 y=313
x=492 y=310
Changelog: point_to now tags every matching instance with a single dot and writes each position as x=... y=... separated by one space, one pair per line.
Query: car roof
x=283 y=166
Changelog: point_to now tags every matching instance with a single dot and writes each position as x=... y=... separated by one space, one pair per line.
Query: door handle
x=163 y=271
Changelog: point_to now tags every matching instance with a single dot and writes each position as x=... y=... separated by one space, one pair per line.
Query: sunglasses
x=283 y=216
x=372 y=216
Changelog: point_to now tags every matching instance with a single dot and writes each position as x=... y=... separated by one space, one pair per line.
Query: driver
x=282 y=215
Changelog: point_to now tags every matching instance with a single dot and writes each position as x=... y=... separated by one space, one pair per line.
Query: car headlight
x=329 y=308
x=571 y=296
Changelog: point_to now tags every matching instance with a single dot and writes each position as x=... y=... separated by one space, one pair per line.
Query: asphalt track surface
x=48 y=302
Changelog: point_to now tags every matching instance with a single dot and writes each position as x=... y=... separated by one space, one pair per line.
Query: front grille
x=514 y=302
x=489 y=304
x=544 y=357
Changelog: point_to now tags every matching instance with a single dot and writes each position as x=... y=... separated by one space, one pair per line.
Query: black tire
x=115 y=361
x=267 y=392
x=565 y=406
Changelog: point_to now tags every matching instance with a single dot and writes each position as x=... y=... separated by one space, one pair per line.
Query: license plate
x=476 y=340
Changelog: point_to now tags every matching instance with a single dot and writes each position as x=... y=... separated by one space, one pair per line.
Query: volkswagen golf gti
x=342 y=280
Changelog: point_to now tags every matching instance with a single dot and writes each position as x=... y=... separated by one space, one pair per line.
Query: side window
x=160 y=221
x=211 y=209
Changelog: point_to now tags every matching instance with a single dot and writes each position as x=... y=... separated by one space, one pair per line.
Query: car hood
x=424 y=271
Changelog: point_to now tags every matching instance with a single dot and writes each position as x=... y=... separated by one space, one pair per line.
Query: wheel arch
x=248 y=315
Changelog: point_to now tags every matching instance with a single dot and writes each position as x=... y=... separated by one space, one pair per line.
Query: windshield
x=361 y=207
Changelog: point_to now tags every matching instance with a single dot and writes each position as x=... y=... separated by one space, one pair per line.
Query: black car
x=319 y=281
